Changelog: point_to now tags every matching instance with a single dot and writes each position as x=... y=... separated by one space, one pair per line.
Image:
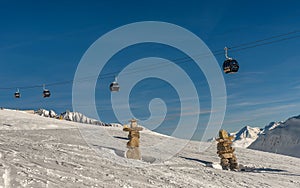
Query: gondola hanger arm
x=226 y=53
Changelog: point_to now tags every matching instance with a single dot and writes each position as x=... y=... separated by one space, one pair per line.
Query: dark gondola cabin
x=230 y=66
x=17 y=95
x=114 y=87
x=46 y=93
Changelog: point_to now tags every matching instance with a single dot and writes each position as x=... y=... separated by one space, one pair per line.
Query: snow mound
x=282 y=138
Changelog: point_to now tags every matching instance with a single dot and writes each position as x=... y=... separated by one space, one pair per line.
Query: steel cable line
x=265 y=39
x=265 y=43
x=240 y=47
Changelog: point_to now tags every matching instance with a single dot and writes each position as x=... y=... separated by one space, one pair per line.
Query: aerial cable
x=240 y=47
x=266 y=43
x=265 y=39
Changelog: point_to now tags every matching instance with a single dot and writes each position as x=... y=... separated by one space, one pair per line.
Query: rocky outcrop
x=46 y=113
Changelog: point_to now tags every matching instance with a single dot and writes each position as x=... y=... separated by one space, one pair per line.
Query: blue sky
x=43 y=42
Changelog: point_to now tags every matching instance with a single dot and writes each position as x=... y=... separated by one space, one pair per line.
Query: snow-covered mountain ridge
x=277 y=137
x=283 y=139
x=75 y=117
x=246 y=136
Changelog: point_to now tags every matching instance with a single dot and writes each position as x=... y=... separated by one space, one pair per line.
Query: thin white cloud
x=263 y=101
x=272 y=110
x=296 y=87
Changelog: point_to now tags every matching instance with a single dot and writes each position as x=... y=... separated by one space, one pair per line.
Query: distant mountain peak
x=245 y=136
x=74 y=116
x=247 y=132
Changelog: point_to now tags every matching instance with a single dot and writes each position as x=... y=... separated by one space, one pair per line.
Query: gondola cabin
x=230 y=66
x=17 y=95
x=46 y=93
x=114 y=87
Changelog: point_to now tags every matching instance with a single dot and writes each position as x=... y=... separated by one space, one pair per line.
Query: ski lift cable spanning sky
x=240 y=47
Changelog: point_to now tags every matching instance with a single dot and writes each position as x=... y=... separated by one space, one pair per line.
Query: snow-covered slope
x=45 y=152
x=20 y=120
x=246 y=136
x=283 y=138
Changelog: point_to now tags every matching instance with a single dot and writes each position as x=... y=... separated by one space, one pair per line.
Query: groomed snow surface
x=43 y=152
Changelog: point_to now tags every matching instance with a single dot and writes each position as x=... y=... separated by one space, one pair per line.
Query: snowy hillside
x=246 y=136
x=277 y=137
x=283 y=138
x=45 y=152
